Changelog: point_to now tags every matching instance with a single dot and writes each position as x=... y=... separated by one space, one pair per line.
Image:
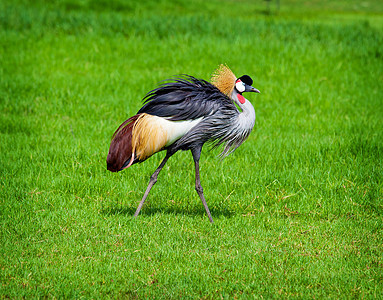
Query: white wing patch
x=177 y=129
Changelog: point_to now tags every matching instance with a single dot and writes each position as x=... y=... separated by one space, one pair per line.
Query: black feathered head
x=243 y=84
x=246 y=79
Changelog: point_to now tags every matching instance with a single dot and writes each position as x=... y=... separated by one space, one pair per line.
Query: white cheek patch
x=239 y=86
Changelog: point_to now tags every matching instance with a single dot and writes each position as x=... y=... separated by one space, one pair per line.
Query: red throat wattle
x=241 y=99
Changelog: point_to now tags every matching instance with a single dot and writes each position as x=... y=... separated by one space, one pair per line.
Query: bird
x=184 y=113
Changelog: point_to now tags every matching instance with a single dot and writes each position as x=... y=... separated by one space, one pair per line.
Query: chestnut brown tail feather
x=120 y=150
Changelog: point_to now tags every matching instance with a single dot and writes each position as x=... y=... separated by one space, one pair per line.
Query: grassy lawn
x=298 y=208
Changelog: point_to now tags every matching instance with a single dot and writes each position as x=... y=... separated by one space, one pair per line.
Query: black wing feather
x=185 y=98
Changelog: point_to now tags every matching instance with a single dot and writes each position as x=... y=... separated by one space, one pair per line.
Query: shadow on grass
x=149 y=211
x=265 y=12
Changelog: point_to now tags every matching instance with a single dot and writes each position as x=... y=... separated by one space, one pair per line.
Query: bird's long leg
x=153 y=180
x=196 y=155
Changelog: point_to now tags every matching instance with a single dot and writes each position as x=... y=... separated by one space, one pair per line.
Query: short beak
x=253 y=89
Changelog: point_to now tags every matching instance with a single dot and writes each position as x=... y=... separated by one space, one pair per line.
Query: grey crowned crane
x=184 y=114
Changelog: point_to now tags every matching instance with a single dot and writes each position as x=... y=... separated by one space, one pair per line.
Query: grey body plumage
x=189 y=98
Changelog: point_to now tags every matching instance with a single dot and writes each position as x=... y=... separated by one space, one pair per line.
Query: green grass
x=297 y=208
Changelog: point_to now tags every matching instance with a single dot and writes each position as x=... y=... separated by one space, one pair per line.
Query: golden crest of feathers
x=224 y=79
